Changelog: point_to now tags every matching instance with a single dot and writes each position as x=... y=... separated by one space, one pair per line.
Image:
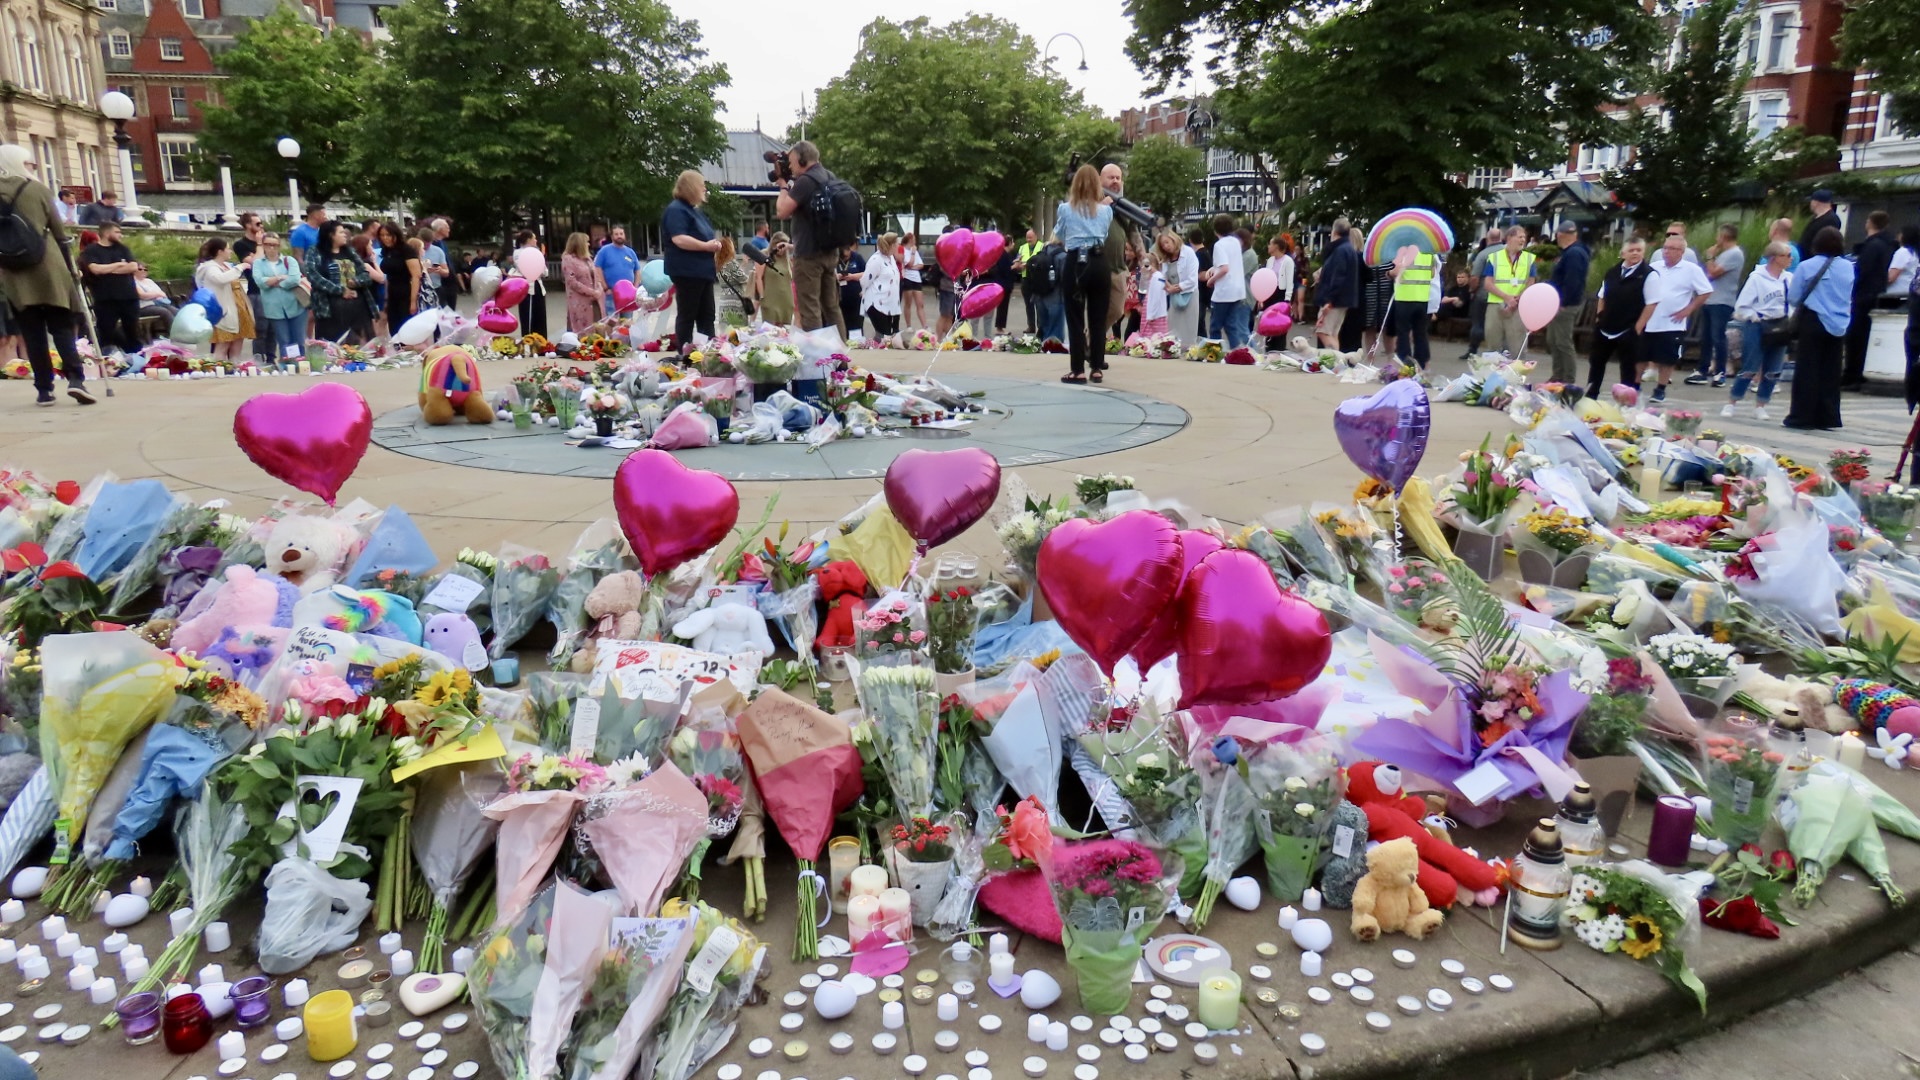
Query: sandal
x=1075 y=380
x=1096 y=377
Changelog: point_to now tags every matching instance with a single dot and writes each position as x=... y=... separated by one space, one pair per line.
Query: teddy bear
x=843 y=586
x=614 y=606
x=307 y=551
x=1814 y=700
x=1342 y=872
x=244 y=599
x=1389 y=899
x=1445 y=870
x=726 y=629
x=450 y=386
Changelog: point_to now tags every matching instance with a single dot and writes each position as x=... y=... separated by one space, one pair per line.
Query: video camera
x=782 y=162
x=1139 y=216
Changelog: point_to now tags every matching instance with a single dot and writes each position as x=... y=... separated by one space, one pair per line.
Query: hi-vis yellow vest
x=1415 y=283
x=1510 y=275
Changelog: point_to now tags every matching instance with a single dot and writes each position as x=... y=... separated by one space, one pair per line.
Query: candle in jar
x=1002 y=968
x=896 y=913
x=1671 y=837
x=80 y=978
x=1851 y=750
x=1220 y=1001
x=862 y=910
x=216 y=937
x=329 y=1026
x=1650 y=483
x=1310 y=964
x=843 y=855
x=868 y=880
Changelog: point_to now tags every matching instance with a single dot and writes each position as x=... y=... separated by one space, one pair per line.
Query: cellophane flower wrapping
x=642 y=834
x=638 y=726
x=1741 y=774
x=522 y=587
x=954 y=915
x=1111 y=895
x=639 y=972
x=725 y=962
x=451 y=834
x=1142 y=763
x=578 y=936
x=185 y=525
x=480 y=609
x=27 y=819
x=903 y=706
x=504 y=978
x=707 y=749
x=1227 y=807
x=98 y=692
x=552 y=698
x=1296 y=787
x=599 y=551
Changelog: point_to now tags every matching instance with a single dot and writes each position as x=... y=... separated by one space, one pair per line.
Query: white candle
x=401 y=963
x=462 y=960
x=295 y=993
x=26 y=953
x=1288 y=916
x=101 y=901
x=178 y=989
x=1310 y=964
x=1037 y=1028
x=37 y=968
x=7 y=951
x=1310 y=899
x=11 y=912
x=1852 y=750
x=947 y=1008
x=217 y=938
x=390 y=944
x=180 y=920
x=1002 y=965
x=867 y=880
x=87 y=957
x=233 y=1045
x=102 y=992
x=134 y=969
x=1057 y=1036
x=996 y=944
x=114 y=943
x=134 y=949
x=52 y=927
x=67 y=945
x=212 y=973
x=80 y=978
x=861 y=913
x=896 y=910
x=893 y=1016
x=141 y=887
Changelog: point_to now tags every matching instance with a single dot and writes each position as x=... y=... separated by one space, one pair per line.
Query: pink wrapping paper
x=646 y=838
x=645 y=1010
x=576 y=940
x=533 y=825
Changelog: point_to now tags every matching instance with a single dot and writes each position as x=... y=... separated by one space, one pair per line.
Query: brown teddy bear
x=614 y=607
x=1389 y=899
x=450 y=386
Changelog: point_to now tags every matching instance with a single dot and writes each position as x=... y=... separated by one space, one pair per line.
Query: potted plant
x=920 y=860
x=950 y=625
x=1480 y=507
x=605 y=405
x=1549 y=546
x=1602 y=748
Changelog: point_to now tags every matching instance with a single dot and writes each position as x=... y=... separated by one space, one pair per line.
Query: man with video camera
x=825 y=211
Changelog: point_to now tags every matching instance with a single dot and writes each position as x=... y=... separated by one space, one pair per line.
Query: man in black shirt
x=1821 y=203
x=108 y=267
x=815 y=259
x=1617 y=312
x=1872 y=261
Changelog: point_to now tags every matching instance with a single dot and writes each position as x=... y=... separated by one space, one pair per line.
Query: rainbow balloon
x=1413 y=225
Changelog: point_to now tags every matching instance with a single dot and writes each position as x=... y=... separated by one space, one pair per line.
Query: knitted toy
x=450 y=386
x=1445 y=870
x=842 y=587
x=1340 y=875
x=1878 y=705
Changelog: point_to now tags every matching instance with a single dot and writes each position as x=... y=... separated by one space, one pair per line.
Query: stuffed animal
x=353 y=611
x=1342 y=873
x=843 y=586
x=1814 y=700
x=1876 y=705
x=450 y=385
x=614 y=606
x=1389 y=899
x=307 y=551
x=245 y=653
x=184 y=572
x=1445 y=870
x=726 y=630
x=454 y=636
x=244 y=599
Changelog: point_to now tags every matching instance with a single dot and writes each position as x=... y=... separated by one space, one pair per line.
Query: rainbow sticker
x=1184 y=959
x=1413 y=225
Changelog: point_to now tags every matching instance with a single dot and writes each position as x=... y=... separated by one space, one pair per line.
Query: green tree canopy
x=487 y=105
x=961 y=119
x=1883 y=36
x=1163 y=174
x=288 y=78
x=1689 y=155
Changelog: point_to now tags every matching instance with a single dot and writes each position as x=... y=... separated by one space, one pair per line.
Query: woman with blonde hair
x=690 y=246
x=773 y=281
x=880 y=287
x=583 y=284
x=733 y=275
x=1082 y=221
x=215 y=271
x=1182 y=268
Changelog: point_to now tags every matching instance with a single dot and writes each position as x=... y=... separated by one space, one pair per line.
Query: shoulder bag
x=1789 y=327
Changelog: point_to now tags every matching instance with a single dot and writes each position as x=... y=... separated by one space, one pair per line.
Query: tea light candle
x=1220 y=1001
x=38 y=968
x=1404 y=958
x=53 y=927
x=1057 y=1037
x=1310 y=899
x=212 y=973
x=180 y=920
x=232 y=1045
x=101 y=901
x=295 y=993
x=1310 y=964
x=141 y=886
x=80 y=978
x=7 y=951
x=217 y=937
x=893 y=1016
x=114 y=943
x=1288 y=916
x=947 y=1008
x=1002 y=968
x=67 y=945
x=1851 y=750
x=1313 y=1044
x=401 y=963
x=390 y=944
x=996 y=944
x=1037 y=1028
x=102 y=992
x=134 y=969
x=963 y=989
x=868 y=880
x=86 y=956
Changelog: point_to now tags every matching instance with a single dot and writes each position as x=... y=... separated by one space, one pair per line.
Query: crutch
x=1906 y=448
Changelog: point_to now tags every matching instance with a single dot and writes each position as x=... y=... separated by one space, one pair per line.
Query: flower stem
x=806 y=938
x=1203 y=907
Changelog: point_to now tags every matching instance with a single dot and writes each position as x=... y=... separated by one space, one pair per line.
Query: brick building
x=50 y=88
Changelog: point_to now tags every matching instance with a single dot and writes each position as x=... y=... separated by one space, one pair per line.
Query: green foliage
x=267 y=779
x=961 y=119
x=1788 y=154
x=1690 y=155
x=1883 y=36
x=483 y=106
x=287 y=77
x=1381 y=106
x=167 y=257
x=1163 y=174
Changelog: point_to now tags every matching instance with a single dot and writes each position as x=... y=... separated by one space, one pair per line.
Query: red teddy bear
x=843 y=586
x=1445 y=870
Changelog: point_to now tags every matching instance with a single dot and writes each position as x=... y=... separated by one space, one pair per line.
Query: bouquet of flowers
x=1207 y=352
x=1636 y=909
x=565 y=394
x=1484 y=493
x=1093 y=490
x=1616 y=712
x=902 y=705
x=1888 y=507
x=1850 y=466
x=887 y=629
x=922 y=340
x=707 y=750
x=1111 y=895
x=950 y=627
x=1836 y=817
x=642 y=832
x=1415 y=592
x=700 y=1017
x=449 y=836
x=187 y=526
x=543 y=793
x=1227 y=807
x=606 y=403
x=1023 y=533
x=1683 y=423
x=1143 y=762
x=844 y=389
x=1558 y=531
x=522 y=587
x=1296 y=788
x=1740 y=777
x=770 y=362
x=1353 y=534
x=640 y=970
x=473 y=566
x=215 y=876
x=599 y=551
x=1697 y=664
x=97 y=692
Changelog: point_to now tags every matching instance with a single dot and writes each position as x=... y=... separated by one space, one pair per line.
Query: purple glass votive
x=139 y=1017
x=252 y=1005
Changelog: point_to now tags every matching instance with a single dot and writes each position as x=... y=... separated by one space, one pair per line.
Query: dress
x=777 y=304
x=583 y=295
x=225 y=281
x=393 y=263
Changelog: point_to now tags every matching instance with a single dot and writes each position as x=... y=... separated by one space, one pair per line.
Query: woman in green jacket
x=42 y=296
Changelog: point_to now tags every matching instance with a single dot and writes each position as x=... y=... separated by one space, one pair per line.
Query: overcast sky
x=774 y=51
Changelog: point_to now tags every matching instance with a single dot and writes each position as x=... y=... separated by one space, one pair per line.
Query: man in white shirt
x=1229 y=280
x=1675 y=290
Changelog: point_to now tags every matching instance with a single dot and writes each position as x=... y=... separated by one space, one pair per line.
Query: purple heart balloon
x=939 y=494
x=1386 y=434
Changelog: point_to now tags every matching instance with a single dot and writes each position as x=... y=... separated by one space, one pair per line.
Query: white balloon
x=486 y=282
x=417 y=330
x=191 y=327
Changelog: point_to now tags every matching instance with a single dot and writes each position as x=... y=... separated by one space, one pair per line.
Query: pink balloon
x=1163 y=636
x=987 y=248
x=1274 y=321
x=531 y=264
x=939 y=494
x=671 y=513
x=1242 y=640
x=495 y=320
x=312 y=440
x=1538 y=305
x=980 y=299
x=1262 y=284
x=511 y=292
x=1108 y=582
x=954 y=251
x=625 y=296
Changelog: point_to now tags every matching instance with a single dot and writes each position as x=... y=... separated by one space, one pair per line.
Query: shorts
x=1662 y=348
x=949 y=305
x=909 y=286
x=1329 y=320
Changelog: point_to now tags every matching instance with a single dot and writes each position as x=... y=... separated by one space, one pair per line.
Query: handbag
x=1790 y=323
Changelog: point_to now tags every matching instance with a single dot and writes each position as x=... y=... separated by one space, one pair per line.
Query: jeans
x=289 y=336
x=1477 y=322
x=1410 y=331
x=1087 y=293
x=118 y=324
x=1051 y=311
x=1758 y=359
x=1713 y=339
x=1230 y=318
x=37 y=323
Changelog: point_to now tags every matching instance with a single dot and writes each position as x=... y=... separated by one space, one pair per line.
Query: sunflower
x=1643 y=937
x=444 y=688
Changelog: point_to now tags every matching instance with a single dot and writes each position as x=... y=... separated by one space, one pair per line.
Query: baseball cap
x=1565 y=228
x=1824 y=195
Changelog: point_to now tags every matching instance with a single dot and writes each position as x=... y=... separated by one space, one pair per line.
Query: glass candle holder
x=185 y=1025
x=252 y=1001
x=139 y=1018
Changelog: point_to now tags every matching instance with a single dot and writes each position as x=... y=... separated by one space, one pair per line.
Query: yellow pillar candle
x=1220 y=1001
x=329 y=1024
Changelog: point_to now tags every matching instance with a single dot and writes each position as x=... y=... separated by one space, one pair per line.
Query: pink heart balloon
x=312 y=440
x=1162 y=638
x=1242 y=640
x=671 y=513
x=1274 y=321
x=939 y=494
x=625 y=296
x=954 y=251
x=1108 y=582
x=987 y=249
x=980 y=299
x=495 y=320
x=511 y=292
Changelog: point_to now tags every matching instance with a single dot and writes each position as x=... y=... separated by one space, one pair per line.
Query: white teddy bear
x=726 y=629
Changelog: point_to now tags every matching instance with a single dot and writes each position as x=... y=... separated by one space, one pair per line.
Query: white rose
x=1147 y=761
x=1303 y=809
x=1295 y=783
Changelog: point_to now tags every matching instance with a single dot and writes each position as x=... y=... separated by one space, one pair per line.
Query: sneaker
x=1719 y=381
x=1696 y=380
x=1760 y=413
x=79 y=393
x=1727 y=410
x=44 y=399
x=1659 y=393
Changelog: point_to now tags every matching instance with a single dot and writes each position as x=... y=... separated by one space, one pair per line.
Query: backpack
x=22 y=247
x=836 y=210
x=1046 y=271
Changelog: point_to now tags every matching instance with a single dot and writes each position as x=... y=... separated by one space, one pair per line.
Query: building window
x=1884 y=125
x=139 y=161
x=1778 y=54
x=177 y=97
x=171 y=49
x=176 y=159
x=1766 y=115
x=1598 y=158
x=109 y=5
x=133 y=95
x=90 y=161
x=120 y=45
x=193 y=9
x=30 y=72
x=47 y=155
x=77 y=65
x=1485 y=179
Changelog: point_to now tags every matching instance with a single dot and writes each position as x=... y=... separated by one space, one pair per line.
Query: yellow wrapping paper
x=881 y=547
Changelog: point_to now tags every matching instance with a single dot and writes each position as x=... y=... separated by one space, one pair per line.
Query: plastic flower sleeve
x=309 y=912
x=533 y=826
x=1227 y=807
x=173 y=764
x=576 y=940
x=642 y=835
x=451 y=834
x=1111 y=895
x=598 y=552
x=99 y=690
x=123 y=518
x=1296 y=788
x=903 y=706
x=522 y=586
x=725 y=960
x=27 y=819
x=503 y=980
x=68 y=528
x=637 y=977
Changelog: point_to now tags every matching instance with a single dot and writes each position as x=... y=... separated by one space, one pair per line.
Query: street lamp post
x=290 y=150
x=118 y=108
x=1048 y=51
x=231 y=219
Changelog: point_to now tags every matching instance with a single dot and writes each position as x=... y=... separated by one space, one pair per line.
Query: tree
x=484 y=106
x=1883 y=36
x=1788 y=154
x=1393 y=104
x=1691 y=153
x=1161 y=173
x=285 y=77
x=961 y=119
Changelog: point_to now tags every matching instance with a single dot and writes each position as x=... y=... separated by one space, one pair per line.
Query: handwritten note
x=655 y=670
x=454 y=593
